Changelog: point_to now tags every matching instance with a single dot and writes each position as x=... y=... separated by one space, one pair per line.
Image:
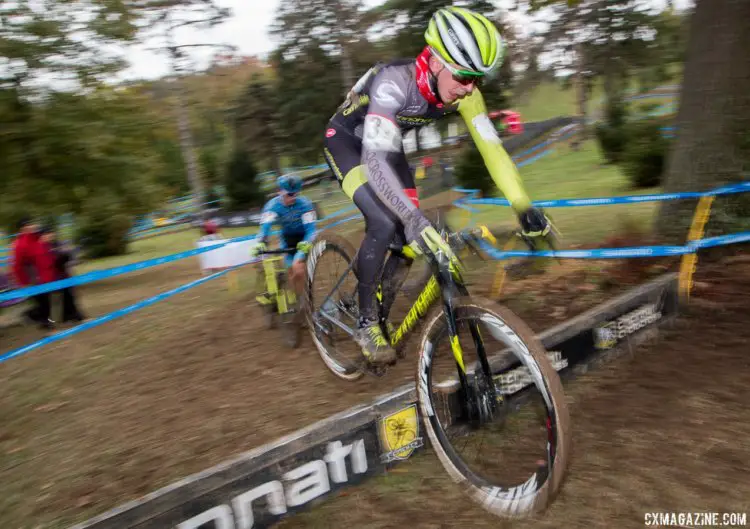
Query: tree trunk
x=347 y=70
x=712 y=144
x=276 y=162
x=188 y=149
x=581 y=92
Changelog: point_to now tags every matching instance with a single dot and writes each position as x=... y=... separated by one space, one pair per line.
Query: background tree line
x=81 y=145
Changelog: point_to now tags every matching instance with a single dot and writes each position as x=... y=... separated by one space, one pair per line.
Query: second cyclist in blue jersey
x=295 y=215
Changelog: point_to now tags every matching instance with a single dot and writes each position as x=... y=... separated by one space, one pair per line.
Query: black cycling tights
x=381 y=228
x=343 y=153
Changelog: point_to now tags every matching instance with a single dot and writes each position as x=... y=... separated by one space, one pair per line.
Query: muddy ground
x=664 y=429
x=121 y=410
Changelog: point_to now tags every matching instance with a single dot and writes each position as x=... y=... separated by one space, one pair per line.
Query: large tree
x=597 y=38
x=67 y=42
x=332 y=25
x=712 y=145
x=308 y=93
x=258 y=127
x=71 y=149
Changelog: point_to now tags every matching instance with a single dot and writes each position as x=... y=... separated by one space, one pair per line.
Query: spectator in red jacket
x=24 y=270
x=31 y=267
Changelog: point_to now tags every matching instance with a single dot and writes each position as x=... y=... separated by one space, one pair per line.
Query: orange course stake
x=499 y=281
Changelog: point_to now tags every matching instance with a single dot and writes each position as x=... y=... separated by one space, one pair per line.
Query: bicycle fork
x=476 y=384
x=284 y=296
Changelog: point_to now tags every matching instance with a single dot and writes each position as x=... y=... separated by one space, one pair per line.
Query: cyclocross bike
x=473 y=355
x=278 y=301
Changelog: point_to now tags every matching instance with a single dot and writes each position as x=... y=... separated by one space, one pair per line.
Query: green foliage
x=471 y=171
x=102 y=228
x=309 y=90
x=257 y=124
x=242 y=189
x=68 y=148
x=636 y=143
x=645 y=154
x=611 y=134
x=173 y=174
x=43 y=44
x=609 y=38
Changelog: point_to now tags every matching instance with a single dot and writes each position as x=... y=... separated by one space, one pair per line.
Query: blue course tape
x=548 y=150
x=721 y=240
x=549 y=141
x=619 y=253
x=108 y=317
x=339 y=213
x=98 y=275
x=338 y=222
x=743 y=187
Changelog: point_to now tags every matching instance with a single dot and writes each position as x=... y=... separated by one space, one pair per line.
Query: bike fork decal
x=270 y=271
x=458 y=353
x=281 y=298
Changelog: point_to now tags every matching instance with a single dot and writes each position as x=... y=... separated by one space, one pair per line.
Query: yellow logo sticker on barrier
x=605 y=336
x=399 y=434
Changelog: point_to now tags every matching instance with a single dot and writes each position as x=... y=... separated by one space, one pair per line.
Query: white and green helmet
x=465 y=39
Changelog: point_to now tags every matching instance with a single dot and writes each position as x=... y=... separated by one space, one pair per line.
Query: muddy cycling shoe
x=369 y=336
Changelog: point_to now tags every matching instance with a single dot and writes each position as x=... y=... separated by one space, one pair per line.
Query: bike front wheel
x=500 y=426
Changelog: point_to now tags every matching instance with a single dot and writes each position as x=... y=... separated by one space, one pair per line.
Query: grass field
x=561 y=174
x=549 y=100
x=117 y=411
x=180 y=241
x=583 y=174
x=158 y=246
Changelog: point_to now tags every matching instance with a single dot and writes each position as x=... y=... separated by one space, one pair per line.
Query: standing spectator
x=210 y=231
x=61 y=262
x=25 y=272
x=44 y=261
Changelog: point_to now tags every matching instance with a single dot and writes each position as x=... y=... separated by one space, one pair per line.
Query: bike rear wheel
x=327 y=262
x=510 y=463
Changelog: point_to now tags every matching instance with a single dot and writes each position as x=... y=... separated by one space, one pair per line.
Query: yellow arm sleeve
x=500 y=165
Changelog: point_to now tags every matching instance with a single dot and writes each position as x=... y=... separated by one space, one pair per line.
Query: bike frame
x=445 y=281
x=285 y=297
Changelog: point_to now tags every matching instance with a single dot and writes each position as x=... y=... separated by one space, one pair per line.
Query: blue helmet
x=290 y=183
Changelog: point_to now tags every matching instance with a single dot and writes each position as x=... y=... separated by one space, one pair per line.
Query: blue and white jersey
x=297 y=221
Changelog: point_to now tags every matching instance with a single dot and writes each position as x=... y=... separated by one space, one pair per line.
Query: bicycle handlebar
x=472 y=235
x=279 y=251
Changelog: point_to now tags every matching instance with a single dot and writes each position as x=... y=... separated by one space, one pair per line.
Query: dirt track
x=116 y=413
x=662 y=430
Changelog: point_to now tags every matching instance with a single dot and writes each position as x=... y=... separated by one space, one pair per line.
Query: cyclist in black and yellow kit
x=363 y=147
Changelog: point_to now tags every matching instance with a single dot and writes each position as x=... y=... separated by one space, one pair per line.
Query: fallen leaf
x=52 y=406
x=84 y=501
